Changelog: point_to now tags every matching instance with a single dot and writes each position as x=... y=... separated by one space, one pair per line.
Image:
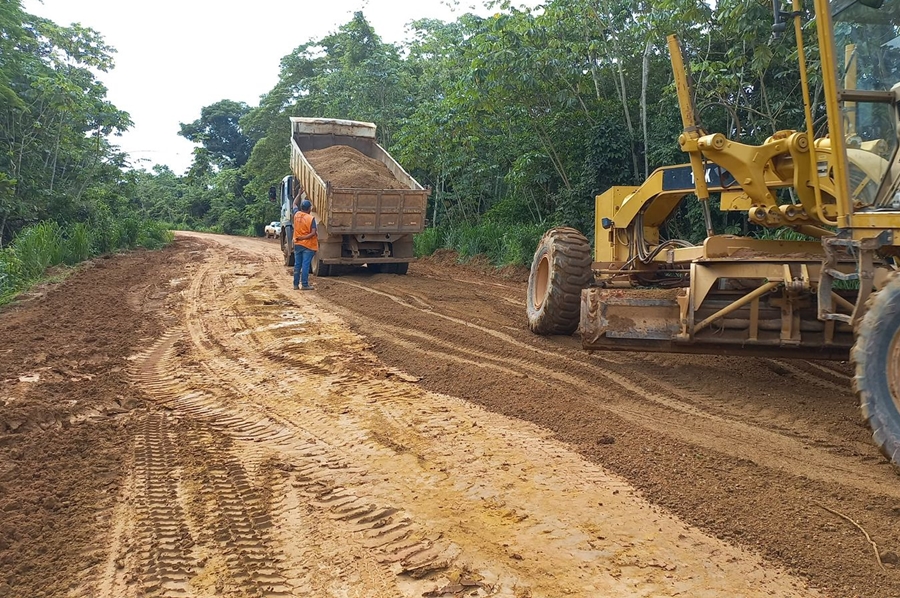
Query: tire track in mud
x=162 y=532
x=197 y=490
x=235 y=518
x=364 y=446
x=321 y=473
x=762 y=436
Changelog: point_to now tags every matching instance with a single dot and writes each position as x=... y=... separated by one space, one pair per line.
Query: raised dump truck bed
x=367 y=206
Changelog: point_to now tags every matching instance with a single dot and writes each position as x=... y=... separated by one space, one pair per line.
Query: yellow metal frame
x=730 y=281
x=787 y=159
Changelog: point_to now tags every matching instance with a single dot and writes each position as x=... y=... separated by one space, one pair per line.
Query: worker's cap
x=305 y=205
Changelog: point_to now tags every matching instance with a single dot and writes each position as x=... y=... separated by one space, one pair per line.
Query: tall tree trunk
x=551 y=153
x=623 y=96
x=645 y=76
x=55 y=155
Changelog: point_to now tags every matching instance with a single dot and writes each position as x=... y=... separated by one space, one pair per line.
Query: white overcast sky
x=176 y=56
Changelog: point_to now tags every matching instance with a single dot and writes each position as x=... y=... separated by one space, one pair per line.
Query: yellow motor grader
x=836 y=182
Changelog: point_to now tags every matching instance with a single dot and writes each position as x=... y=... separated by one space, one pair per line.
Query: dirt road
x=183 y=423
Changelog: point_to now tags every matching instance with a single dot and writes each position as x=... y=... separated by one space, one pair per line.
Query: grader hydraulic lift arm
x=744 y=295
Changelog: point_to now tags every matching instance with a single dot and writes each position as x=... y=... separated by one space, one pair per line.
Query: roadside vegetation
x=38 y=248
x=67 y=193
x=515 y=121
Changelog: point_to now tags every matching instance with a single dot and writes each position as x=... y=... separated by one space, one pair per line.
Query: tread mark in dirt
x=677 y=402
x=225 y=485
x=241 y=519
x=166 y=542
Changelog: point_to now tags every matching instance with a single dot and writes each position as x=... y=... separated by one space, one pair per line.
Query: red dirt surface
x=65 y=403
x=748 y=450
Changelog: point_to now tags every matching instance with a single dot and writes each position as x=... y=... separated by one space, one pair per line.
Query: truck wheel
x=560 y=269
x=319 y=269
x=400 y=268
x=287 y=251
x=876 y=355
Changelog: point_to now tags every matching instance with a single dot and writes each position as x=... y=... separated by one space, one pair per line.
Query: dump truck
x=367 y=207
x=833 y=293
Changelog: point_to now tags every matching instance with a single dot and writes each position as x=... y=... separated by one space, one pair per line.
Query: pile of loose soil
x=348 y=168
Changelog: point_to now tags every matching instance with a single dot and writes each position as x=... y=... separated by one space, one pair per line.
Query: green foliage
x=10 y=274
x=56 y=160
x=46 y=244
x=501 y=244
x=105 y=232
x=154 y=235
x=37 y=248
x=232 y=223
x=218 y=130
x=127 y=233
x=78 y=244
x=428 y=241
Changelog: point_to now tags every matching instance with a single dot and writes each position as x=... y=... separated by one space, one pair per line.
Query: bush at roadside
x=47 y=244
x=502 y=244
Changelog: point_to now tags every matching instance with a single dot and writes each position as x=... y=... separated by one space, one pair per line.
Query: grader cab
x=835 y=295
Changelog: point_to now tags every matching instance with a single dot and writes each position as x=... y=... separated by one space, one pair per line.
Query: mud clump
x=348 y=168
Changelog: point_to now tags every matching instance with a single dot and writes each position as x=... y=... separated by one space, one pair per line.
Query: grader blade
x=652 y=320
x=647 y=315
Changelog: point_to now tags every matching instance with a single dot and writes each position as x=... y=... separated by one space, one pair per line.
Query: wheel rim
x=893 y=369
x=541 y=282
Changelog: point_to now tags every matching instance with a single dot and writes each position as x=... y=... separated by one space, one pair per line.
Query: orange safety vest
x=303 y=225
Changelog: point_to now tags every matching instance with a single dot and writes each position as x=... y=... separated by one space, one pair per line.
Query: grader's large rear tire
x=560 y=269
x=876 y=354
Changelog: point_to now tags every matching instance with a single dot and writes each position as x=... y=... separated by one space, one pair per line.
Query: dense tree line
x=56 y=159
x=515 y=121
x=66 y=190
x=521 y=118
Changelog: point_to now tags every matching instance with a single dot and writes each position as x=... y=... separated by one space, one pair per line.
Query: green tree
x=218 y=130
x=56 y=157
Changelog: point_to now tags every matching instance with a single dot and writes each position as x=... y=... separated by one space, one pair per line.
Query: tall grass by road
x=502 y=244
x=47 y=244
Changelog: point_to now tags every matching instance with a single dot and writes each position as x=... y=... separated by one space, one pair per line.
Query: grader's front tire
x=560 y=269
x=876 y=354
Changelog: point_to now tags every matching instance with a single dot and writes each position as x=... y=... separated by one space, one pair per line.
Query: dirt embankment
x=348 y=168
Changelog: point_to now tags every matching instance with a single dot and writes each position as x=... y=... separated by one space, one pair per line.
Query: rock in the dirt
x=889 y=558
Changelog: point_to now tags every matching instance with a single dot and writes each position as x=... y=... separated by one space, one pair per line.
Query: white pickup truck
x=273 y=230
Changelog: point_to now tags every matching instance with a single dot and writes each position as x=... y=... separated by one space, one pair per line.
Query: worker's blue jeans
x=302 y=260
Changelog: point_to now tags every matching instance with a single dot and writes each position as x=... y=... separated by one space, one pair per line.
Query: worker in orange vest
x=306 y=243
